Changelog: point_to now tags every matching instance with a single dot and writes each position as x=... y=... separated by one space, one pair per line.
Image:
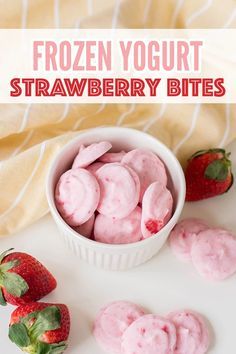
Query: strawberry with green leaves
x=208 y=174
x=23 y=279
x=40 y=328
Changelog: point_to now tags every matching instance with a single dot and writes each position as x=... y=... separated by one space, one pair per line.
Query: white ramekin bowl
x=116 y=257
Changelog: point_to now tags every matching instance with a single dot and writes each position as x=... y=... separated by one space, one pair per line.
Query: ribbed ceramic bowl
x=116 y=257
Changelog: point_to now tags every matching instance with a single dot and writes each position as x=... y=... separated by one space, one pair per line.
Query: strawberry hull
x=40 y=328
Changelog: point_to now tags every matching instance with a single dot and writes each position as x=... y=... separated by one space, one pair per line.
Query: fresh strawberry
x=208 y=174
x=23 y=279
x=40 y=328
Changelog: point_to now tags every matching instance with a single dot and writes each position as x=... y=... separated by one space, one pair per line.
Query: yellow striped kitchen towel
x=31 y=135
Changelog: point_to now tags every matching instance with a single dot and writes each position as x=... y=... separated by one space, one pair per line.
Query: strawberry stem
x=18 y=334
x=218 y=170
x=3 y=255
x=12 y=282
x=44 y=348
x=9 y=265
x=27 y=335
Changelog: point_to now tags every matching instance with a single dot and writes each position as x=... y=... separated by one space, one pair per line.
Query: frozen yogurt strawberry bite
x=91 y=153
x=148 y=167
x=94 y=167
x=122 y=327
x=110 y=157
x=184 y=235
x=120 y=190
x=116 y=197
x=118 y=231
x=192 y=332
x=149 y=334
x=157 y=209
x=214 y=254
x=112 y=321
x=211 y=250
x=77 y=196
x=86 y=229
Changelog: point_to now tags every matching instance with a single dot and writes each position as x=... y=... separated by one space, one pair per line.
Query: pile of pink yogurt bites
x=211 y=250
x=124 y=328
x=114 y=197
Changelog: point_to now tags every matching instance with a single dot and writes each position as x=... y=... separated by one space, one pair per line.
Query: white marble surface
x=161 y=285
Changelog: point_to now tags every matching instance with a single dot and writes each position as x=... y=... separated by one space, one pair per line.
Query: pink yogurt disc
x=148 y=167
x=156 y=209
x=77 y=196
x=214 y=254
x=192 y=332
x=184 y=235
x=90 y=154
x=82 y=147
x=118 y=231
x=86 y=229
x=120 y=188
x=111 y=157
x=149 y=334
x=94 y=167
x=111 y=323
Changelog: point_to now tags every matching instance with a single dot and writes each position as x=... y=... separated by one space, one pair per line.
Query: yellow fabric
x=31 y=135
